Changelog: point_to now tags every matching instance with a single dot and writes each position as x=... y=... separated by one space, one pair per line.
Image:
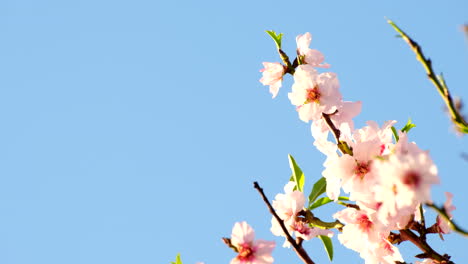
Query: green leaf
x=324 y=201
x=276 y=37
x=319 y=188
x=409 y=125
x=297 y=174
x=178 y=260
x=395 y=134
x=327 y=243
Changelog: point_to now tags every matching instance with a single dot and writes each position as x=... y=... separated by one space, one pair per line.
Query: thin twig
x=437 y=80
x=422 y=230
x=300 y=251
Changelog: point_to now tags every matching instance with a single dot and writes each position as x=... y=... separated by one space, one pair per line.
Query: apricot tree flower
x=288 y=206
x=314 y=94
x=442 y=224
x=272 y=76
x=407 y=178
x=250 y=251
x=367 y=236
x=312 y=57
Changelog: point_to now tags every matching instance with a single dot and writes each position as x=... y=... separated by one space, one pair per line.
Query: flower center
x=362 y=168
x=364 y=223
x=245 y=253
x=313 y=95
x=387 y=247
x=302 y=228
x=382 y=149
x=412 y=179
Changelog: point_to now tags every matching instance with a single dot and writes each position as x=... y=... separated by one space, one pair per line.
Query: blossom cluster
x=386 y=175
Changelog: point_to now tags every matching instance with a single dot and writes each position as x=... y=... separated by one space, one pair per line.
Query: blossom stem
x=228 y=243
x=284 y=57
x=422 y=230
x=300 y=251
x=348 y=205
x=342 y=145
x=407 y=234
x=438 y=81
x=321 y=224
x=452 y=224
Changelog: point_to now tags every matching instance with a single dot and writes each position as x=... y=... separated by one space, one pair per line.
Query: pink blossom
x=355 y=174
x=250 y=251
x=365 y=234
x=312 y=57
x=272 y=75
x=314 y=94
x=404 y=183
x=359 y=232
x=373 y=131
x=289 y=204
x=403 y=146
x=287 y=207
x=444 y=225
x=382 y=252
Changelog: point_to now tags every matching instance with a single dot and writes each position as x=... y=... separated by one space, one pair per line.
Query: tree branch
x=437 y=80
x=407 y=234
x=300 y=251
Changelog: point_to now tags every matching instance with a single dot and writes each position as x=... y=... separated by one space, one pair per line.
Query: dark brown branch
x=344 y=148
x=300 y=251
x=407 y=234
x=335 y=131
x=422 y=229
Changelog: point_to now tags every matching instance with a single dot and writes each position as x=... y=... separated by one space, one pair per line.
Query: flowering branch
x=297 y=247
x=452 y=224
x=388 y=179
x=437 y=80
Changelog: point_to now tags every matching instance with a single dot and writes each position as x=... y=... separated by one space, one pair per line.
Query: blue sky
x=133 y=130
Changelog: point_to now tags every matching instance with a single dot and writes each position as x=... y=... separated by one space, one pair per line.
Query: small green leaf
x=327 y=243
x=319 y=188
x=276 y=37
x=178 y=260
x=297 y=174
x=324 y=201
x=409 y=125
x=395 y=134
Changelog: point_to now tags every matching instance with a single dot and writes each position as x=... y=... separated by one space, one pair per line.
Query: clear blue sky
x=133 y=130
